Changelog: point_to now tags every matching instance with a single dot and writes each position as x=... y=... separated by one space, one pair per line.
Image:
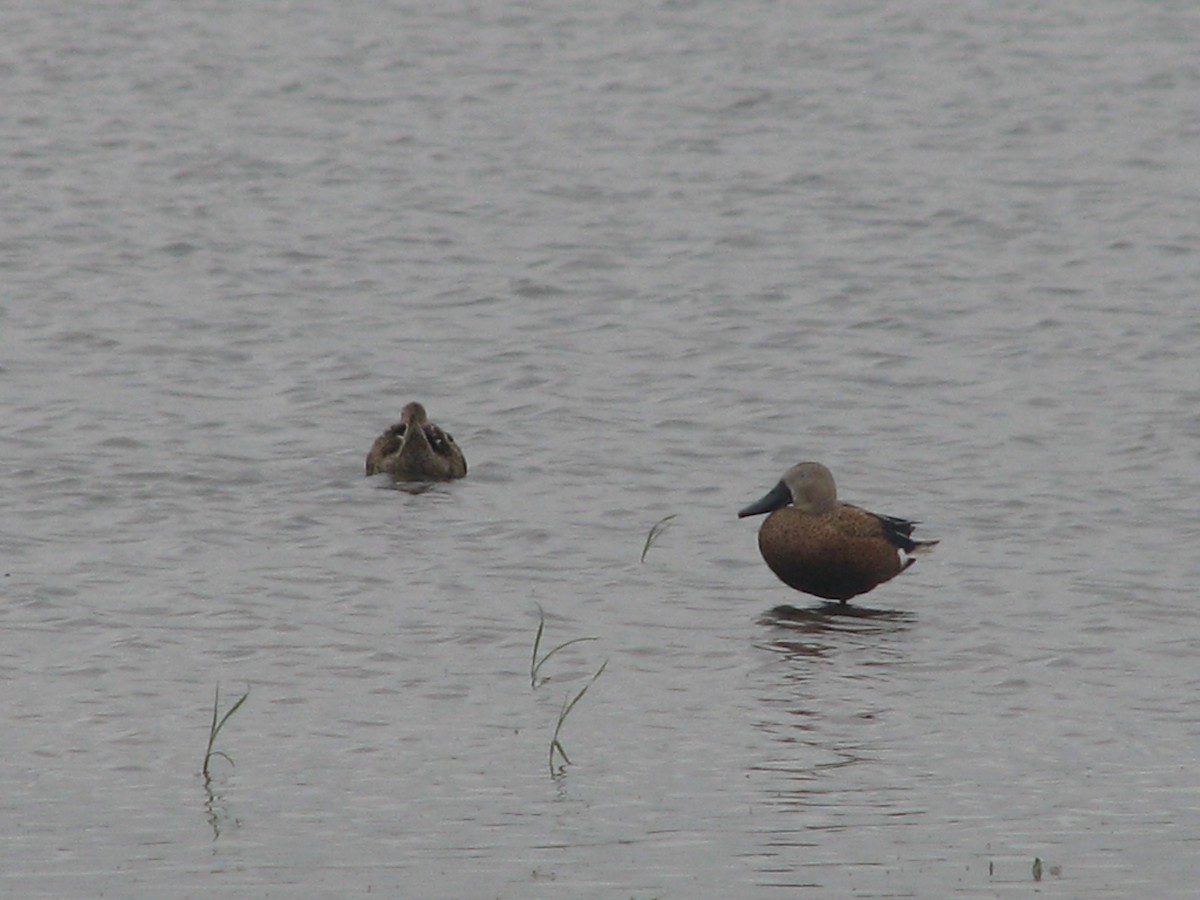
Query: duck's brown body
x=414 y=449
x=820 y=546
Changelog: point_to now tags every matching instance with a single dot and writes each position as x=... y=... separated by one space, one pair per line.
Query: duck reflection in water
x=832 y=618
x=414 y=449
x=818 y=545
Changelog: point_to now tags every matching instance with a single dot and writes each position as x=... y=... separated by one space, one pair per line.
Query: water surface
x=638 y=259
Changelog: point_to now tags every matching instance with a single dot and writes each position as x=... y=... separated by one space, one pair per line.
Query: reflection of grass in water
x=215 y=728
x=655 y=530
x=568 y=705
x=1038 y=868
x=534 y=663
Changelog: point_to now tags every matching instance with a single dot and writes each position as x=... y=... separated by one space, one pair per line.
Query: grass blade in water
x=655 y=530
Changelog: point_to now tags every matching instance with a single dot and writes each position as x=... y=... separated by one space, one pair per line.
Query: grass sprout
x=215 y=728
x=534 y=663
x=568 y=705
x=655 y=530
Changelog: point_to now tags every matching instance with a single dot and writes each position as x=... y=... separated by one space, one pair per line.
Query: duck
x=414 y=449
x=819 y=545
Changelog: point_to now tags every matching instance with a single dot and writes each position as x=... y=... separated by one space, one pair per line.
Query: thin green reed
x=569 y=702
x=534 y=663
x=568 y=705
x=215 y=728
x=655 y=530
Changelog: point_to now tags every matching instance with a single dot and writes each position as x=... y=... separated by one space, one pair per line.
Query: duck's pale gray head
x=808 y=486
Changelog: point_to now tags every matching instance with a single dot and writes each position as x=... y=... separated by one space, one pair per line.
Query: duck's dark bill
x=778 y=496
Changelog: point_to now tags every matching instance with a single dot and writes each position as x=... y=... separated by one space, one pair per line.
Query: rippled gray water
x=638 y=259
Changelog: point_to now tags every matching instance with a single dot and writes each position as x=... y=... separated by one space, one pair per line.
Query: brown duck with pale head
x=414 y=449
x=821 y=546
